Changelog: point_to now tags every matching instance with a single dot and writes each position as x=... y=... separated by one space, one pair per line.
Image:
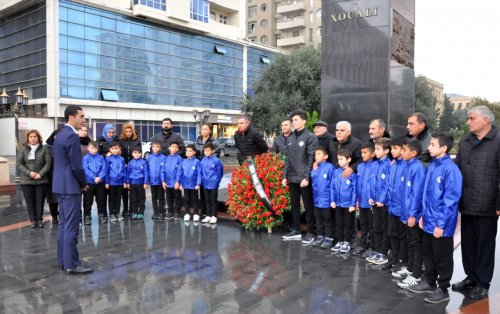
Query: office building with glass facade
x=126 y=61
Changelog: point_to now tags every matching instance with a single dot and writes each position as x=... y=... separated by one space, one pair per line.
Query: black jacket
x=300 y=156
x=325 y=140
x=104 y=145
x=352 y=144
x=199 y=147
x=279 y=144
x=127 y=146
x=425 y=139
x=167 y=138
x=479 y=162
x=249 y=143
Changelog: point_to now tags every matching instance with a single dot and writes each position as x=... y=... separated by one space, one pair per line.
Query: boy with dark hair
x=137 y=183
x=378 y=199
x=322 y=180
x=190 y=182
x=365 y=170
x=170 y=180
x=211 y=174
x=115 y=180
x=344 y=201
x=396 y=230
x=155 y=162
x=441 y=195
x=411 y=210
x=95 y=168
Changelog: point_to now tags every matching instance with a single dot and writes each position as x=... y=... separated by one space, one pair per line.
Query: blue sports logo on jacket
x=395 y=184
x=94 y=166
x=322 y=180
x=190 y=173
x=344 y=189
x=116 y=170
x=155 y=167
x=378 y=186
x=366 y=171
x=171 y=172
x=442 y=192
x=211 y=172
x=137 y=171
x=413 y=187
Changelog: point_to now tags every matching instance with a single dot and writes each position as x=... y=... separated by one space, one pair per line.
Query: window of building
x=276 y=21
x=155 y=4
x=222 y=19
x=277 y=37
x=109 y=95
x=199 y=10
x=263 y=23
x=318 y=31
x=220 y=49
x=263 y=40
x=311 y=35
x=251 y=1
x=265 y=60
x=296 y=34
x=318 y=14
x=252 y=39
x=251 y=28
x=252 y=11
x=311 y=18
x=263 y=7
x=212 y=15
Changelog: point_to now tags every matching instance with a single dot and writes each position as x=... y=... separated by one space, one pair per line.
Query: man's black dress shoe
x=79 y=270
x=463 y=285
x=478 y=293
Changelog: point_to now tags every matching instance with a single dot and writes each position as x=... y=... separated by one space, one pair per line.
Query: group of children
x=404 y=208
x=170 y=175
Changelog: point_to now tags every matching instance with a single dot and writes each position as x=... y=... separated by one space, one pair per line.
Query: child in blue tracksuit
x=190 y=183
x=366 y=170
x=322 y=179
x=211 y=175
x=155 y=162
x=344 y=202
x=137 y=183
x=378 y=199
x=441 y=195
x=115 y=180
x=396 y=230
x=95 y=168
x=171 y=182
x=411 y=210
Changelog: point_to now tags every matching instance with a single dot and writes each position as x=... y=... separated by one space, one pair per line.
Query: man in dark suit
x=68 y=184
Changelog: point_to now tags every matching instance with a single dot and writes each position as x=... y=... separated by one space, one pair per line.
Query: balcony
x=296 y=23
x=292 y=41
x=293 y=7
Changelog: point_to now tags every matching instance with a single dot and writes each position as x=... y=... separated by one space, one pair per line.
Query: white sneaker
x=408 y=282
x=206 y=219
x=196 y=218
x=402 y=273
x=187 y=217
x=213 y=220
x=337 y=247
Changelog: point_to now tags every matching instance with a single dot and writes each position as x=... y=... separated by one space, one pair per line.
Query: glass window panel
x=63 y=42
x=123 y=27
x=175 y=38
x=137 y=30
x=92 y=33
x=76 y=44
x=63 y=28
x=91 y=46
x=76 y=71
x=76 y=30
x=108 y=24
x=91 y=73
x=150 y=45
x=150 y=33
x=76 y=92
x=63 y=70
x=63 y=13
x=63 y=56
x=137 y=42
x=76 y=16
x=76 y=57
x=109 y=95
x=92 y=20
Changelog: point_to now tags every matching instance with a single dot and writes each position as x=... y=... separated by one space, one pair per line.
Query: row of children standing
x=403 y=208
x=163 y=174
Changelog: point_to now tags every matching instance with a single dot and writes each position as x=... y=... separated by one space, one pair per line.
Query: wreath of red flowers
x=244 y=203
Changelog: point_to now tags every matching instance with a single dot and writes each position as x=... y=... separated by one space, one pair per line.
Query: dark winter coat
x=479 y=162
x=199 y=147
x=104 y=145
x=249 y=143
x=41 y=164
x=352 y=144
x=425 y=139
x=127 y=146
x=167 y=138
x=279 y=144
x=300 y=156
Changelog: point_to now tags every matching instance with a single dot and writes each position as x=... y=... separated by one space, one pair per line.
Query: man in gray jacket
x=418 y=129
x=297 y=174
x=279 y=144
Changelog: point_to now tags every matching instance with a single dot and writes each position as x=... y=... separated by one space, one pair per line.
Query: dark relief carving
x=403 y=40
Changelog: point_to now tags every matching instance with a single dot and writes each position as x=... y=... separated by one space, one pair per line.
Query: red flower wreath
x=243 y=201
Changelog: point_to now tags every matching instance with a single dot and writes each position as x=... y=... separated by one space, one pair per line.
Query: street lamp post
x=201 y=116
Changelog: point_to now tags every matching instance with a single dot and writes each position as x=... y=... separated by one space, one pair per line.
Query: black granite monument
x=367 y=67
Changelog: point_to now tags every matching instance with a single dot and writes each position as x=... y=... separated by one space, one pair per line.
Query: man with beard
x=418 y=129
x=167 y=136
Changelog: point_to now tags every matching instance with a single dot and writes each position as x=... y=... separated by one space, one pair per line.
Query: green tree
x=425 y=102
x=446 y=118
x=291 y=82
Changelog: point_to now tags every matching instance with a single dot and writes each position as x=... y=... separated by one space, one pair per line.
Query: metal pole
x=16 y=130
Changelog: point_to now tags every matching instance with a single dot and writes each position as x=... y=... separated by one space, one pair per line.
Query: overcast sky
x=457 y=43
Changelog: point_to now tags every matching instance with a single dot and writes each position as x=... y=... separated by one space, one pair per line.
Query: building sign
x=351 y=15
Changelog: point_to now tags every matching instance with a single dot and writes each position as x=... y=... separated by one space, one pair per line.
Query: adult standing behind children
x=280 y=142
x=107 y=137
x=418 y=130
x=478 y=158
x=69 y=185
x=248 y=140
x=129 y=140
x=167 y=136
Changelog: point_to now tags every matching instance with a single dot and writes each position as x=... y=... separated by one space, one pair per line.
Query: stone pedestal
x=367 y=66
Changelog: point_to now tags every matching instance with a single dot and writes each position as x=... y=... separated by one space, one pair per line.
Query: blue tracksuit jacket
x=137 y=171
x=395 y=186
x=322 y=184
x=117 y=173
x=413 y=188
x=171 y=172
x=366 y=171
x=378 y=185
x=190 y=173
x=94 y=166
x=155 y=168
x=442 y=192
x=344 y=189
x=211 y=172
